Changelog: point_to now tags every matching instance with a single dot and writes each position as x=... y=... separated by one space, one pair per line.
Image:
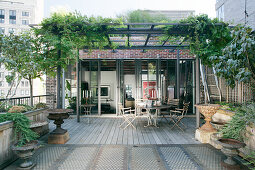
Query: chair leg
x=177 y=125
x=125 y=120
x=183 y=124
x=166 y=119
x=130 y=123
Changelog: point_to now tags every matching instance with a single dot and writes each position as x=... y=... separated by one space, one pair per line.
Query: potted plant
x=233 y=133
x=25 y=138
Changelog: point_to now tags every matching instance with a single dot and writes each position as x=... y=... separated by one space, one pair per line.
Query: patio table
x=152 y=117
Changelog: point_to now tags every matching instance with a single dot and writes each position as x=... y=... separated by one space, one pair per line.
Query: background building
x=173 y=15
x=236 y=11
x=15 y=17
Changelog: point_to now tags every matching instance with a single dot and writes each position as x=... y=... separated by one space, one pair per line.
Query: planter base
x=27 y=168
x=58 y=138
x=214 y=138
x=230 y=167
x=203 y=136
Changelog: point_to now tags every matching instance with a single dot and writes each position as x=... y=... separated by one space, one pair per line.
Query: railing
x=24 y=100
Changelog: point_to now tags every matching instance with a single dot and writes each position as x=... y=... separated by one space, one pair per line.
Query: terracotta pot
x=25 y=153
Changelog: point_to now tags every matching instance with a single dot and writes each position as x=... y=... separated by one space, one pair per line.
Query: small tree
x=238 y=60
x=20 y=55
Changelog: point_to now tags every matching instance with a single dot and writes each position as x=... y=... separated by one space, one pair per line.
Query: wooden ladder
x=212 y=91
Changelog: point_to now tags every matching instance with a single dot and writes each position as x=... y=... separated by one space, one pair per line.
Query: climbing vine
x=63 y=35
x=229 y=49
x=206 y=37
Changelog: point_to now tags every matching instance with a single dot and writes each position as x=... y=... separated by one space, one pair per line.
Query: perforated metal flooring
x=127 y=157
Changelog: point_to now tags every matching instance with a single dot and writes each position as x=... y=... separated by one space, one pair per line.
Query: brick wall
x=51 y=89
x=135 y=54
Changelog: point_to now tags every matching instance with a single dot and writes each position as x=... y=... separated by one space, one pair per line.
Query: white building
x=236 y=11
x=15 y=17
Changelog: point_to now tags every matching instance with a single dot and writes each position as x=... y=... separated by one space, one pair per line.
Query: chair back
x=185 y=107
x=139 y=105
x=173 y=102
x=120 y=109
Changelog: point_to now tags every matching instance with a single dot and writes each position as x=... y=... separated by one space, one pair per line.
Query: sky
x=111 y=8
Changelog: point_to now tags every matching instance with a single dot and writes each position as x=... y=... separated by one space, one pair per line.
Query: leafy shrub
x=17 y=109
x=40 y=105
x=251 y=160
x=235 y=128
x=21 y=124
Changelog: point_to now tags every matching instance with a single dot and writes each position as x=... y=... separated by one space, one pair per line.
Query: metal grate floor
x=126 y=157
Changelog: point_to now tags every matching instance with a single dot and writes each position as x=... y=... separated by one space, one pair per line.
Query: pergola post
x=197 y=92
x=63 y=88
x=178 y=74
x=99 y=86
x=78 y=87
x=58 y=82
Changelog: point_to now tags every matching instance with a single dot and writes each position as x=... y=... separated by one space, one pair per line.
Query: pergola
x=147 y=36
x=144 y=36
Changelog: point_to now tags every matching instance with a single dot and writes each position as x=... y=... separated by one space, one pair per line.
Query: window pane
x=24 y=13
x=25 y=22
x=2 y=12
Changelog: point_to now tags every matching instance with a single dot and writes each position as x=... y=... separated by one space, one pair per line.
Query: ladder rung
x=212 y=85
x=214 y=96
x=210 y=74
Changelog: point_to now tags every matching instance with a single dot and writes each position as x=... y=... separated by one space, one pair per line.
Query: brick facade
x=51 y=89
x=135 y=54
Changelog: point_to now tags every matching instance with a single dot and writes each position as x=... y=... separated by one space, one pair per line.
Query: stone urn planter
x=215 y=136
x=59 y=135
x=25 y=153
x=217 y=125
x=229 y=148
x=208 y=110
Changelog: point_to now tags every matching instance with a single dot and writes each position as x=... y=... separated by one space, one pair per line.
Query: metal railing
x=24 y=100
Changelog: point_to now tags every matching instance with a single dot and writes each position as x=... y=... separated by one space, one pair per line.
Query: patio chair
x=128 y=115
x=178 y=114
x=139 y=106
x=174 y=103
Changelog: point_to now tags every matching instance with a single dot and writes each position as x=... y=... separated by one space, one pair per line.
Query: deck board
x=102 y=130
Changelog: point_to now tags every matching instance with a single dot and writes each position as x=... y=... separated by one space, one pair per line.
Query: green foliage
x=235 y=128
x=238 y=60
x=143 y=16
x=229 y=106
x=207 y=37
x=21 y=124
x=20 y=54
x=251 y=159
x=63 y=35
x=17 y=109
x=72 y=103
x=40 y=105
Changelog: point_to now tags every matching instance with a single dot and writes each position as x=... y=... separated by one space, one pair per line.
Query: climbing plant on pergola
x=64 y=35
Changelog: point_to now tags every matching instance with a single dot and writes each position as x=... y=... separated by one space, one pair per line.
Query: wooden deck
x=105 y=130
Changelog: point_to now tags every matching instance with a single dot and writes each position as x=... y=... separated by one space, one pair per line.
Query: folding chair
x=178 y=114
x=128 y=116
x=174 y=103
